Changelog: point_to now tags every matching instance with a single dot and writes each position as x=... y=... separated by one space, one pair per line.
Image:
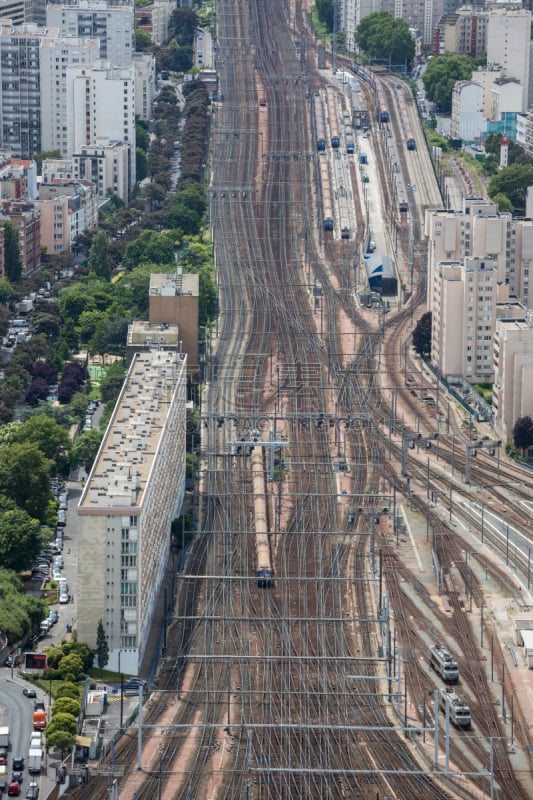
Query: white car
x=63 y=598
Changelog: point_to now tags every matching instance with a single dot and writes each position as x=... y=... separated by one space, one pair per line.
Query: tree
x=523 y=433
x=20 y=539
x=62 y=722
x=71 y=664
x=60 y=740
x=324 y=10
x=112 y=382
x=98 y=261
x=67 y=689
x=85 y=448
x=141 y=164
x=143 y=40
x=385 y=38
x=25 y=477
x=150 y=246
x=102 y=647
x=110 y=335
x=36 y=391
x=6 y=290
x=512 y=182
x=66 y=705
x=12 y=259
x=422 y=335
x=440 y=77
x=51 y=438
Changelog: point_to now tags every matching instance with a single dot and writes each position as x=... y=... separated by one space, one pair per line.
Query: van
x=39 y=720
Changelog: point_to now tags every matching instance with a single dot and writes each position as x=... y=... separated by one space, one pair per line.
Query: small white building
x=524 y=639
x=512 y=393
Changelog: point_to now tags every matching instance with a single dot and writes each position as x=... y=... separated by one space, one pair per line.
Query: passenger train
x=404 y=100
x=382 y=114
x=325 y=184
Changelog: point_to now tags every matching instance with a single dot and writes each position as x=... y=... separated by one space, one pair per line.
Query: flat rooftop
x=165 y=334
x=123 y=464
x=174 y=283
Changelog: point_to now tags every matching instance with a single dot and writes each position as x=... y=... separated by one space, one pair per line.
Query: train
x=342 y=183
x=332 y=114
x=404 y=100
x=382 y=114
x=325 y=183
x=350 y=142
x=442 y=661
x=264 y=570
x=320 y=123
x=459 y=710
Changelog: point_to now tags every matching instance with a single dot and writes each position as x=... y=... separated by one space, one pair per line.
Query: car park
x=29 y=691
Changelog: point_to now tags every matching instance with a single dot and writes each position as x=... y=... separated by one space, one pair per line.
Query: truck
x=3 y=778
x=35 y=758
x=4 y=737
x=39 y=720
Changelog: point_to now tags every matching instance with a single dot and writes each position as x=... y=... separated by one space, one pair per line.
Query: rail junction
x=316 y=683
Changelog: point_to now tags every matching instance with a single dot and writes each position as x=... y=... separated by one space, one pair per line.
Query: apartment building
x=106 y=164
x=101 y=105
x=18 y=178
x=467 y=121
x=134 y=491
x=145 y=84
x=512 y=391
x=173 y=298
x=463 y=32
x=67 y=209
x=112 y=24
x=465 y=294
x=508 y=45
x=56 y=56
x=25 y=218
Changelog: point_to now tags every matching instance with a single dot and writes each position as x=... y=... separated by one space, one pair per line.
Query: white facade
x=161 y=13
x=508 y=45
x=112 y=24
x=101 y=105
x=107 y=165
x=145 y=84
x=513 y=372
x=507 y=96
x=464 y=314
x=56 y=55
x=133 y=493
x=485 y=77
x=467 y=120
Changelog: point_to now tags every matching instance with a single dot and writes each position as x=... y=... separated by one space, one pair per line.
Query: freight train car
x=325 y=183
x=320 y=123
x=264 y=570
x=332 y=115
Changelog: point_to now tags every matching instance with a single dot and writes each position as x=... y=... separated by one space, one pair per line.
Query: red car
x=13 y=790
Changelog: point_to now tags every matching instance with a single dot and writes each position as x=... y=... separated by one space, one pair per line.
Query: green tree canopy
x=512 y=182
x=12 y=259
x=150 y=246
x=440 y=77
x=68 y=689
x=143 y=40
x=71 y=664
x=381 y=36
x=51 y=438
x=25 y=477
x=98 y=261
x=20 y=539
x=523 y=433
x=102 y=646
x=66 y=705
x=62 y=722
x=60 y=740
x=112 y=382
x=422 y=335
x=85 y=448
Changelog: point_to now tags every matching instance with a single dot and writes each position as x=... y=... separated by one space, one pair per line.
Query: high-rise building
x=512 y=395
x=134 y=491
x=101 y=105
x=106 y=164
x=113 y=24
x=56 y=55
x=508 y=44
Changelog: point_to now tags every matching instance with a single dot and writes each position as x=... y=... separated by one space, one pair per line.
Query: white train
x=442 y=661
x=459 y=710
x=264 y=570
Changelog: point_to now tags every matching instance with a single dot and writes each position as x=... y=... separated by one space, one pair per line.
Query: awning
x=83 y=741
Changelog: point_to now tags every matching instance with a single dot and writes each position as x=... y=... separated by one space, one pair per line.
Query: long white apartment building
x=465 y=295
x=512 y=392
x=112 y=24
x=134 y=491
x=101 y=105
x=56 y=55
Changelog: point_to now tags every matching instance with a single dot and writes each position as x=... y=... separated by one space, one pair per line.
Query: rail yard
x=350 y=517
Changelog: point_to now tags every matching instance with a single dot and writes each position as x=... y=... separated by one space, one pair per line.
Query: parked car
x=134 y=684
x=12 y=661
x=54 y=615
x=63 y=598
x=56 y=574
x=29 y=691
x=59 y=562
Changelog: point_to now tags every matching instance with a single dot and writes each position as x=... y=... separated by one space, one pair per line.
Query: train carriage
x=320 y=123
x=403 y=102
x=442 y=661
x=264 y=569
x=333 y=119
x=382 y=113
x=325 y=183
